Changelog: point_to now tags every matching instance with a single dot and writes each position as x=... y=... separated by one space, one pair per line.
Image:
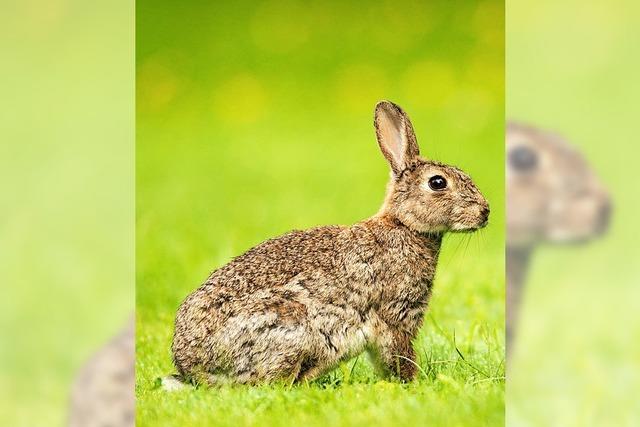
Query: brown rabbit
x=294 y=306
x=552 y=196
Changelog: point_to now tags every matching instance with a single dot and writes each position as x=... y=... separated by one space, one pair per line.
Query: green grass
x=244 y=133
x=348 y=403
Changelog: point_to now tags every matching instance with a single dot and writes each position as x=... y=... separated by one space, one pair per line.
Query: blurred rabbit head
x=552 y=193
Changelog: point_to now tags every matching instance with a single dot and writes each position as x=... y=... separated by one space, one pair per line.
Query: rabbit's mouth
x=469 y=228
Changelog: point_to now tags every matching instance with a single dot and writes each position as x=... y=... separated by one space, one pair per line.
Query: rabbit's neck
x=404 y=266
x=517 y=260
x=390 y=231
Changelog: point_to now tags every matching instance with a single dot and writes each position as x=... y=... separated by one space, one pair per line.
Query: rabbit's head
x=424 y=195
x=552 y=193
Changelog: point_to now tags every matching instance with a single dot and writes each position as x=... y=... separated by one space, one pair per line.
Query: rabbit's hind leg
x=271 y=354
x=312 y=367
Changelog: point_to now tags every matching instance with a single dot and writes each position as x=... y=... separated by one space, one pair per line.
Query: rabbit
x=552 y=196
x=295 y=306
x=102 y=393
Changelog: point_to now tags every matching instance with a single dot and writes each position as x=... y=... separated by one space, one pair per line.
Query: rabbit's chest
x=405 y=284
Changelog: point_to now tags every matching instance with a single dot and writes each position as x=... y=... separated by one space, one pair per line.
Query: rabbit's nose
x=485 y=212
x=484 y=215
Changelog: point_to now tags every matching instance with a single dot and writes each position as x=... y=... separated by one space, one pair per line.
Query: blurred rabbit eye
x=523 y=159
x=437 y=182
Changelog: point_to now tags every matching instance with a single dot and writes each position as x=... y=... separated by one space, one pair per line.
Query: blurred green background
x=66 y=196
x=255 y=118
x=572 y=67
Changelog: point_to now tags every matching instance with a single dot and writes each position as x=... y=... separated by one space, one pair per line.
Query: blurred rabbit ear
x=396 y=137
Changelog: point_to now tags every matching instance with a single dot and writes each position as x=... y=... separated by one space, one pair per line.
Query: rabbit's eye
x=437 y=182
x=523 y=159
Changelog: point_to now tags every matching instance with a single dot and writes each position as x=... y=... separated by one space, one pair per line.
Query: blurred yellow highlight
x=242 y=99
x=157 y=85
x=429 y=83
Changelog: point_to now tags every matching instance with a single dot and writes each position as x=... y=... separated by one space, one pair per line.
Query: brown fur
x=295 y=306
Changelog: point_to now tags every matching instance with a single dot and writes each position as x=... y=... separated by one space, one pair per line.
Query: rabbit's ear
x=396 y=137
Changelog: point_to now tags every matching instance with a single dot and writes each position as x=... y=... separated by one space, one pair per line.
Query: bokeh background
x=67 y=130
x=572 y=67
x=255 y=118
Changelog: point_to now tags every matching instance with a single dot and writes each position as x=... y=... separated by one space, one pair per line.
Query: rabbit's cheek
x=461 y=221
x=470 y=217
x=577 y=220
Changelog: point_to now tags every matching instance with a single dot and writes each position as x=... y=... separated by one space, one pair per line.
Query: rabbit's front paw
x=394 y=356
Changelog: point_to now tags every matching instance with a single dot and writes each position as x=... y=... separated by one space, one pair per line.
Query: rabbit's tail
x=173 y=382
